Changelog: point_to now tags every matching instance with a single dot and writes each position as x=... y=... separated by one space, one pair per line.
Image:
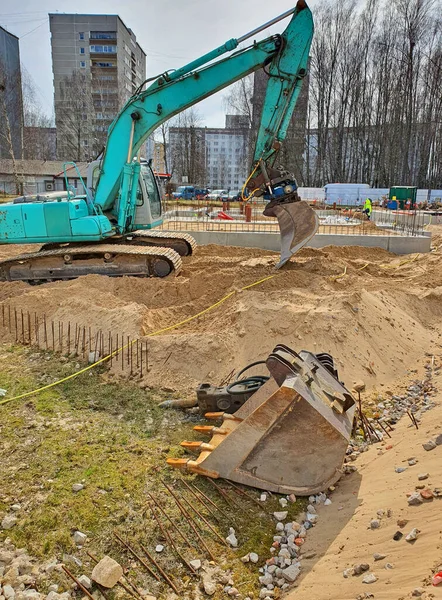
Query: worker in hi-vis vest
x=368 y=208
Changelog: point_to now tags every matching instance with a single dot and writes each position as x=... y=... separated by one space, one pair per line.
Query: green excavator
x=109 y=229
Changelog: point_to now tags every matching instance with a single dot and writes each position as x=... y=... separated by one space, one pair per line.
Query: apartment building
x=211 y=157
x=97 y=65
x=11 y=107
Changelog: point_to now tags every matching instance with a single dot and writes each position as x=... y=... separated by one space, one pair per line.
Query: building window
x=81 y=35
x=103 y=35
x=82 y=63
x=103 y=65
x=81 y=50
x=103 y=49
x=85 y=143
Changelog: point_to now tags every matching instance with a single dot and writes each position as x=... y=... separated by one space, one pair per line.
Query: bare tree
x=11 y=121
x=75 y=129
x=187 y=147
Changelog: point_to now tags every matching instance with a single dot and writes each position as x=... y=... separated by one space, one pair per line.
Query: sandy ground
x=343 y=537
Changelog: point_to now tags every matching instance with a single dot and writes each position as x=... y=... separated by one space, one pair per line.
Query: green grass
x=113 y=438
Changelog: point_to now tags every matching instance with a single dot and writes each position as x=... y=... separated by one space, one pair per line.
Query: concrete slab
x=270 y=241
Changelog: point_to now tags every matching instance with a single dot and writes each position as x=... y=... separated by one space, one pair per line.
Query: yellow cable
x=245 y=185
x=154 y=333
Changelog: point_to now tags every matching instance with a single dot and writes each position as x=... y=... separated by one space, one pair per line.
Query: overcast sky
x=171 y=32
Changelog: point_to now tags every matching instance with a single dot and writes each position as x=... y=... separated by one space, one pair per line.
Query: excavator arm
x=285 y=57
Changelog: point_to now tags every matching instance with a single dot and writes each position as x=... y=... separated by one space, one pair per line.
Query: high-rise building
x=159 y=158
x=11 y=102
x=97 y=65
x=211 y=157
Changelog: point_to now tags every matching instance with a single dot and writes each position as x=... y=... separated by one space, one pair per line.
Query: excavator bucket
x=298 y=223
x=291 y=436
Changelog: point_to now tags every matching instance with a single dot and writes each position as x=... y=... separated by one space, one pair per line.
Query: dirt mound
x=372 y=310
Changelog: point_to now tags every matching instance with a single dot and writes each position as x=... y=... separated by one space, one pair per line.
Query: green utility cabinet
x=403 y=194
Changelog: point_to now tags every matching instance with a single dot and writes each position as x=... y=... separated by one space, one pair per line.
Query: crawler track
x=69 y=262
x=183 y=243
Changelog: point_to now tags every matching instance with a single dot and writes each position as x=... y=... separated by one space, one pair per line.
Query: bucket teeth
x=197 y=446
x=209 y=429
x=178 y=463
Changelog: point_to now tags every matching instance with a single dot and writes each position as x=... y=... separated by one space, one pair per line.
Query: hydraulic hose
x=252 y=383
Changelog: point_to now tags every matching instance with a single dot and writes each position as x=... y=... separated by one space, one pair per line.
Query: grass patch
x=112 y=438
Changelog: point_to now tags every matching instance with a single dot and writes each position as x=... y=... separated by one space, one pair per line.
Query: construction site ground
x=378 y=314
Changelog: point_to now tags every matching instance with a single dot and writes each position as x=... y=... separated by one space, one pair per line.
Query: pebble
x=107 y=572
x=245 y=558
x=292 y=498
x=423 y=476
x=77 y=487
x=263 y=497
x=291 y=573
x=378 y=556
x=427 y=494
x=209 y=586
x=195 y=564
x=159 y=548
x=9 y=521
x=253 y=557
x=85 y=582
x=400 y=469
x=430 y=445
x=388 y=566
x=327 y=502
x=80 y=538
x=281 y=516
x=412 y=461
x=359 y=386
x=232 y=540
x=414 y=499
x=8 y=592
x=370 y=578
x=375 y=524
x=359 y=569
x=412 y=535
x=283 y=502
x=16 y=507
x=398 y=535
x=418 y=591
x=438 y=440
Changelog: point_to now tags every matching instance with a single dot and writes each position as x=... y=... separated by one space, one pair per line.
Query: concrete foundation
x=270 y=241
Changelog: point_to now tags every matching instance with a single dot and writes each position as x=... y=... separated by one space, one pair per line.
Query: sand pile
x=373 y=311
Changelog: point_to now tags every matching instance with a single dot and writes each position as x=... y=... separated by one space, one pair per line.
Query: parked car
x=235 y=195
x=218 y=195
x=189 y=192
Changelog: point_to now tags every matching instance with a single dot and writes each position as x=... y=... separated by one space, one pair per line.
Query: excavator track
x=114 y=260
x=183 y=243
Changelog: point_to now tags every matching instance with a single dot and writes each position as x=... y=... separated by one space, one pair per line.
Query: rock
x=375 y=524
x=427 y=494
x=418 y=592
x=423 y=476
x=370 y=578
x=398 y=535
x=412 y=462
x=292 y=572
x=327 y=502
x=232 y=540
x=263 y=497
x=107 y=572
x=283 y=502
x=312 y=518
x=159 y=548
x=266 y=579
x=359 y=569
x=400 y=469
x=279 y=526
x=359 y=386
x=281 y=516
x=209 y=586
x=233 y=592
x=413 y=535
x=16 y=507
x=292 y=498
x=9 y=521
x=77 y=487
x=430 y=445
x=402 y=522
x=348 y=573
x=80 y=538
x=378 y=556
x=388 y=566
x=438 y=439
x=245 y=558
x=85 y=582
x=6 y=557
x=195 y=564
x=253 y=557
x=8 y=592
x=414 y=499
